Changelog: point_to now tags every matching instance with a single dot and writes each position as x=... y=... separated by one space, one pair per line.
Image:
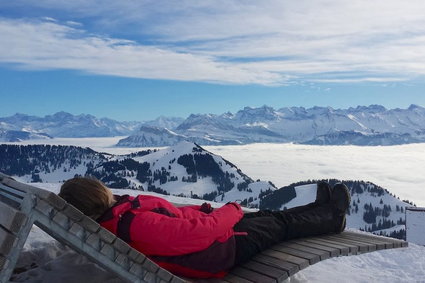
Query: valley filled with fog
x=398 y=169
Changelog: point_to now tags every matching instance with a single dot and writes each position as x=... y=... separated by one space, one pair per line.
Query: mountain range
x=188 y=170
x=65 y=125
x=363 y=125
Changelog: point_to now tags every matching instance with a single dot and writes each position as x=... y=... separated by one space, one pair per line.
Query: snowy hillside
x=152 y=136
x=63 y=124
x=373 y=125
x=17 y=136
x=47 y=163
x=185 y=170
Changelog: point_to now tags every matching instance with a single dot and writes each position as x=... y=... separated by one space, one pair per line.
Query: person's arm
x=195 y=211
x=157 y=234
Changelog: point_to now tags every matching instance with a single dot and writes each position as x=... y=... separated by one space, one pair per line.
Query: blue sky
x=137 y=60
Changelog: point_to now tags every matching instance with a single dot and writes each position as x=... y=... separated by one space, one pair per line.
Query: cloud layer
x=267 y=42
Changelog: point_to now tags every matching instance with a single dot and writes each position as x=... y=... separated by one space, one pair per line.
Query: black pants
x=266 y=228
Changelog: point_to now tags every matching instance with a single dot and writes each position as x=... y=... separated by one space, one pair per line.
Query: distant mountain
x=66 y=125
x=17 y=136
x=188 y=170
x=363 y=139
x=63 y=124
x=164 y=122
x=363 y=125
x=150 y=136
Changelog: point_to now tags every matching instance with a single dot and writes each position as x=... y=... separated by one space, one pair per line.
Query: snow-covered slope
x=164 y=122
x=185 y=169
x=363 y=125
x=63 y=124
x=17 y=136
x=47 y=163
x=152 y=136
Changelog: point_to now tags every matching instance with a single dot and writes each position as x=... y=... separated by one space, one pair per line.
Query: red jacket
x=184 y=240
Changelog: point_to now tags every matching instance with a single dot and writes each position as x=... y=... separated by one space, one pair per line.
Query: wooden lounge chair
x=23 y=205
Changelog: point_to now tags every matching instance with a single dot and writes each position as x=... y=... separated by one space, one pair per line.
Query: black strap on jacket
x=124 y=224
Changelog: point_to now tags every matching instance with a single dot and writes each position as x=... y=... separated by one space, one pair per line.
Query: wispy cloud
x=47 y=45
x=269 y=42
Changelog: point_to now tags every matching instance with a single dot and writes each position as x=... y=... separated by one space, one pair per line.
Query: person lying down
x=200 y=241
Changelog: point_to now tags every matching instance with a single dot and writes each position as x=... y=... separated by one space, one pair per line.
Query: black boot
x=341 y=199
x=323 y=193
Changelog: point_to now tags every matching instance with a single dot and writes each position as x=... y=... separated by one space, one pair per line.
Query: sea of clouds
x=398 y=169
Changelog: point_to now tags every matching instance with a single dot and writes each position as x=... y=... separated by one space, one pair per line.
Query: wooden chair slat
x=312 y=258
x=7 y=241
x=321 y=253
x=343 y=249
x=288 y=267
x=301 y=262
x=252 y=275
x=10 y=218
x=278 y=274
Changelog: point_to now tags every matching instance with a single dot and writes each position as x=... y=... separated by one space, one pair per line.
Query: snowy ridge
x=363 y=125
x=373 y=125
x=47 y=163
x=153 y=136
x=17 y=136
x=184 y=170
x=63 y=124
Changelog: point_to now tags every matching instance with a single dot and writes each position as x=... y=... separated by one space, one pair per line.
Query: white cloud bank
x=398 y=168
x=268 y=42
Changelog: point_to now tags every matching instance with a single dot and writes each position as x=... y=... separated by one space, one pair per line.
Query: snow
x=396 y=265
x=305 y=194
x=415 y=228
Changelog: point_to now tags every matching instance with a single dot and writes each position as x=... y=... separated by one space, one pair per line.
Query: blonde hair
x=89 y=195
